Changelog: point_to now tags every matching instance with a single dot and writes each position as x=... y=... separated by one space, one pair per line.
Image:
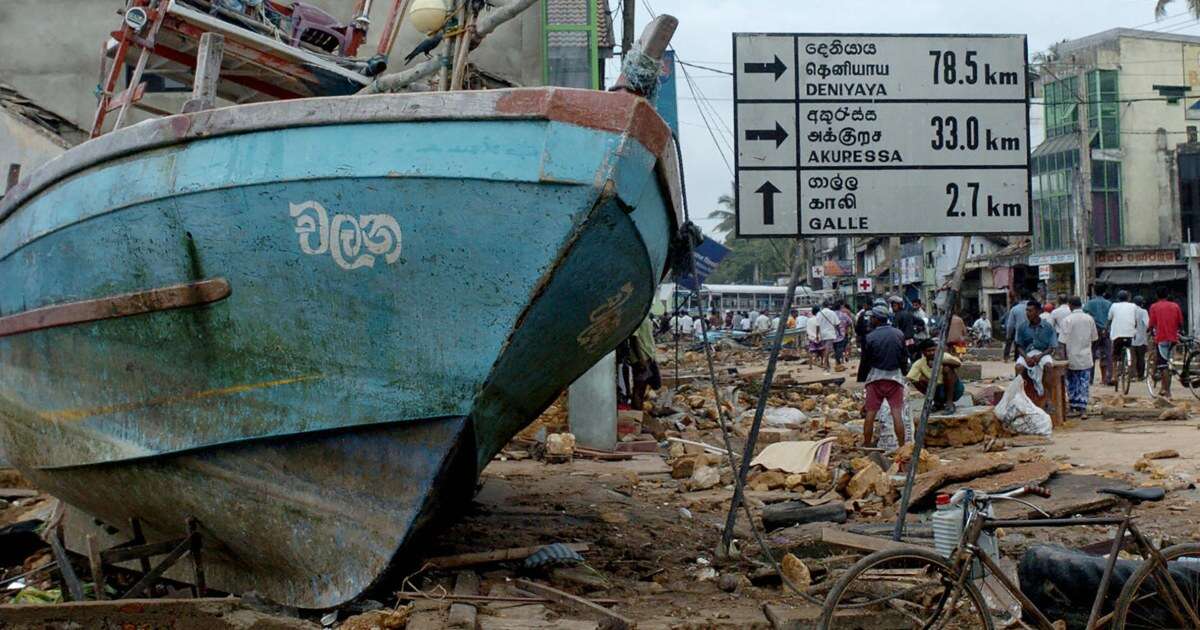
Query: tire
x=1153 y=370
x=971 y=609
x=1191 y=374
x=1139 y=605
x=1123 y=366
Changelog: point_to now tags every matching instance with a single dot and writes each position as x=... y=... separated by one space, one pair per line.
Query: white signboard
x=881 y=134
x=1044 y=272
x=865 y=285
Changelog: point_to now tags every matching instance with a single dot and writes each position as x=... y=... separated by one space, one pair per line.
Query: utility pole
x=1084 y=271
x=628 y=11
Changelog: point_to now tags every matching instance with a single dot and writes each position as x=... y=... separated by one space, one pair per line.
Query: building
x=1108 y=176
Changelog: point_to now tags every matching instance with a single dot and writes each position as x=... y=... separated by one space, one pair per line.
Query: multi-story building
x=1107 y=178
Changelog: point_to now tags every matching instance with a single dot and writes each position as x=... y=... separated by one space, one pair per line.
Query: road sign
x=865 y=285
x=864 y=135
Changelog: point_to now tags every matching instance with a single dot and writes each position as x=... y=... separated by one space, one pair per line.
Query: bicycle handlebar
x=984 y=497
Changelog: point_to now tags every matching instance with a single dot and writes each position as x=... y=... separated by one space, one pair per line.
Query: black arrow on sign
x=777 y=134
x=775 y=67
x=768 y=191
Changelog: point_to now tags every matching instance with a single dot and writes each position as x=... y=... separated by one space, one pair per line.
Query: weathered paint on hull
x=521 y=251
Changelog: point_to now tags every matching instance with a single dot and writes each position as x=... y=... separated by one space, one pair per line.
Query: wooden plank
x=487 y=557
x=74 y=587
x=97 y=566
x=123 y=305
x=963 y=470
x=17 y=493
x=490 y=598
x=1069 y=495
x=208 y=73
x=862 y=543
x=791 y=513
x=1020 y=475
x=609 y=620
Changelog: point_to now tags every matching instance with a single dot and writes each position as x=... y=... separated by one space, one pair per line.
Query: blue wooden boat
x=310 y=324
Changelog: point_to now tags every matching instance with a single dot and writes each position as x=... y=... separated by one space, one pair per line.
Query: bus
x=736 y=297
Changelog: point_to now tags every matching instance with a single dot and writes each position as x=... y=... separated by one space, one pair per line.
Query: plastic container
x=947 y=525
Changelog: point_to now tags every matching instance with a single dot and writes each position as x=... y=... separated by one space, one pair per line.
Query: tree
x=1160 y=8
x=725 y=213
x=750 y=259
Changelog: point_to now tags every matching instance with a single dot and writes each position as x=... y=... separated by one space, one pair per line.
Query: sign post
x=856 y=135
x=881 y=135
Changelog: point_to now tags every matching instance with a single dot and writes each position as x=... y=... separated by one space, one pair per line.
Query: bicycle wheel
x=1191 y=374
x=1144 y=602
x=1122 y=366
x=1154 y=371
x=903 y=588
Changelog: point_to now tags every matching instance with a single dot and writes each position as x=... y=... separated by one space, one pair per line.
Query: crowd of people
x=1096 y=331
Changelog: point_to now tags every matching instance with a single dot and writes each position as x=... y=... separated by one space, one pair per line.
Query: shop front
x=1142 y=270
x=1056 y=275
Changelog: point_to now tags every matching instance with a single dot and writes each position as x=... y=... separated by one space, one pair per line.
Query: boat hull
x=405 y=292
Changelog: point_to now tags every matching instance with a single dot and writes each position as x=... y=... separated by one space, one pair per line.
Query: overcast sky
x=704 y=38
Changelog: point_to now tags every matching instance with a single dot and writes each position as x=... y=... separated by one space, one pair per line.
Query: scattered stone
x=1175 y=413
x=795 y=571
x=615 y=518
x=928 y=462
x=704 y=477
x=870 y=479
x=683 y=467
x=729 y=582
x=767 y=480
x=1167 y=453
x=560 y=447
x=379 y=620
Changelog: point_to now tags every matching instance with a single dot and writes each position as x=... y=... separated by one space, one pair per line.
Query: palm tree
x=1160 y=9
x=726 y=214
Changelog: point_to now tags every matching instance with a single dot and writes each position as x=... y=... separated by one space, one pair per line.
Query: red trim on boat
x=123 y=305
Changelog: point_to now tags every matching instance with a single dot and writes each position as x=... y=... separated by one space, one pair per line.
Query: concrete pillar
x=592 y=405
x=1193 y=296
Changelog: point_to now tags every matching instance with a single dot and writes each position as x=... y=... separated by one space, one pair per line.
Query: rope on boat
x=641 y=72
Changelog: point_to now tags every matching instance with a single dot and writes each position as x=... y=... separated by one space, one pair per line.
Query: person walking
x=1013 y=319
x=1060 y=312
x=1166 y=319
x=884 y=361
x=1098 y=308
x=827 y=325
x=812 y=332
x=956 y=337
x=845 y=327
x=1140 y=337
x=904 y=321
x=1122 y=325
x=1078 y=334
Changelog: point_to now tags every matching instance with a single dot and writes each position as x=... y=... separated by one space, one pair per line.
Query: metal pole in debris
x=748 y=453
x=935 y=372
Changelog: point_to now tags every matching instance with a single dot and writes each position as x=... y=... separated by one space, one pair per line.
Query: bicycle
x=929 y=590
x=1122 y=367
x=1183 y=365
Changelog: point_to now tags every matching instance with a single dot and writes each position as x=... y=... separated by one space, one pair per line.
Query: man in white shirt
x=983 y=330
x=812 y=333
x=745 y=323
x=698 y=326
x=754 y=317
x=1060 y=313
x=1122 y=324
x=827 y=326
x=762 y=323
x=1078 y=334
x=1140 y=337
x=682 y=324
